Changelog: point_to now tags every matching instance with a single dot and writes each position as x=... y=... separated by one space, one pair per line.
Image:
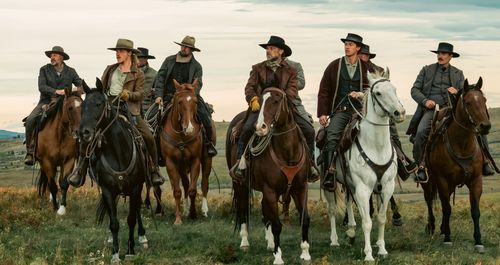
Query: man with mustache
x=435 y=84
x=52 y=80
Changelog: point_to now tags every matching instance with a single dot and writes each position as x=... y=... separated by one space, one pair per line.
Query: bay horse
x=182 y=146
x=117 y=163
x=455 y=159
x=56 y=146
x=278 y=166
x=371 y=163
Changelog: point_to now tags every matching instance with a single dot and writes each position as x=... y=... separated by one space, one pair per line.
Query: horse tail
x=101 y=211
x=42 y=182
x=241 y=204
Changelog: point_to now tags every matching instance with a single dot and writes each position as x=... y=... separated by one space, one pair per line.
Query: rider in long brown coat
x=274 y=72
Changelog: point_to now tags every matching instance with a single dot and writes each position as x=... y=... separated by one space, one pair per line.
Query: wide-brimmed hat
x=278 y=42
x=58 y=50
x=189 y=41
x=144 y=53
x=365 y=49
x=446 y=47
x=354 y=38
x=124 y=44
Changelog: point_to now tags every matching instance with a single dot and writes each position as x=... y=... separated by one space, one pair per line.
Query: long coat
x=258 y=78
x=134 y=83
x=49 y=81
x=422 y=88
x=328 y=87
x=195 y=72
x=149 y=78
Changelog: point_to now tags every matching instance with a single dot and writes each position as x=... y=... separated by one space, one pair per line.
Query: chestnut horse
x=278 y=166
x=455 y=159
x=57 y=146
x=117 y=163
x=182 y=147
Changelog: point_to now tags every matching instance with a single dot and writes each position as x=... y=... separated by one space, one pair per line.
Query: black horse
x=117 y=162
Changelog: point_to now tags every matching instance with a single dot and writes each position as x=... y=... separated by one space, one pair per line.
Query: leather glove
x=254 y=104
x=125 y=95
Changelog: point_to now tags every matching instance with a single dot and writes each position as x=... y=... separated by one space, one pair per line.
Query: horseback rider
x=410 y=166
x=435 y=84
x=149 y=77
x=124 y=80
x=52 y=80
x=184 y=68
x=343 y=79
x=274 y=72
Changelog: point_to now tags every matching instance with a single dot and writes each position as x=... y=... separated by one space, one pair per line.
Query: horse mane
x=52 y=111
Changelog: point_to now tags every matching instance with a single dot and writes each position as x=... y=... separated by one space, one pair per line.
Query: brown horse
x=57 y=146
x=278 y=166
x=455 y=159
x=182 y=147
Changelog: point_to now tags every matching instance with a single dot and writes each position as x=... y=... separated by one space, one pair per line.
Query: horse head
x=384 y=98
x=184 y=105
x=472 y=105
x=273 y=112
x=72 y=109
x=94 y=109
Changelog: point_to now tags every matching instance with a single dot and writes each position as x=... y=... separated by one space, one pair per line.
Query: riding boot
x=488 y=168
x=156 y=178
x=210 y=145
x=314 y=175
x=77 y=177
x=29 y=160
x=236 y=172
x=329 y=180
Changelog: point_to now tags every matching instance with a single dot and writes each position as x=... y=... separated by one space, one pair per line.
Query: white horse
x=370 y=153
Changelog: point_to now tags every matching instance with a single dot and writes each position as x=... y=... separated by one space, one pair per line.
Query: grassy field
x=32 y=233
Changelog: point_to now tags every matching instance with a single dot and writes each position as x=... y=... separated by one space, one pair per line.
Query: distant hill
x=8 y=134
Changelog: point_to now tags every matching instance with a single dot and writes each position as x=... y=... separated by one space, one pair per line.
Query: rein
x=374 y=100
x=469 y=116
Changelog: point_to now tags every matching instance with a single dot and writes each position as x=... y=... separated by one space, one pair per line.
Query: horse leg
x=300 y=201
x=133 y=216
x=174 y=176
x=397 y=219
x=157 y=194
x=444 y=196
x=51 y=174
x=194 y=174
x=286 y=207
x=147 y=201
x=64 y=185
x=271 y=217
x=381 y=217
x=351 y=222
x=330 y=200
x=475 y=191
x=429 y=197
x=185 y=187
x=114 y=225
x=241 y=195
x=362 y=197
x=205 y=174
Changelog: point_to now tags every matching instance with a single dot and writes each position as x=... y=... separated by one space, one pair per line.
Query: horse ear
x=371 y=76
x=177 y=85
x=479 y=83
x=466 y=85
x=195 y=83
x=387 y=74
x=98 y=83
x=67 y=91
x=86 y=88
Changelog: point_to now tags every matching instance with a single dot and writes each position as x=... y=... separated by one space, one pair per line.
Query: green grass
x=32 y=233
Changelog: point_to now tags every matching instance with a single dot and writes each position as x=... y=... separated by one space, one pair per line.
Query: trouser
x=308 y=132
x=246 y=132
x=423 y=130
x=205 y=117
x=335 y=129
x=30 y=126
x=149 y=140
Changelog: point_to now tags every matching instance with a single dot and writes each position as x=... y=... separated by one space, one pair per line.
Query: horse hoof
x=110 y=240
x=143 y=241
x=245 y=248
x=62 y=210
x=305 y=262
x=334 y=244
x=383 y=256
x=129 y=257
x=369 y=259
x=351 y=240
x=115 y=260
x=479 y=249
x=447 y=243
x=397 y=221
x=177 y=222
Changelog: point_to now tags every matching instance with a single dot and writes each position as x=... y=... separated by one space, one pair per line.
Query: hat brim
x=146 y=56
x=453 y=54
x=64 y=55
x=344 y=40
x=122 y=48
x=287 y=50
x=192 y=47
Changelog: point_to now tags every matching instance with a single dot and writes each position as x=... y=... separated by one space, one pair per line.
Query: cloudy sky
x=401 y=33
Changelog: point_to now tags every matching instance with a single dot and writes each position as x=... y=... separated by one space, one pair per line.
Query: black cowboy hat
x=446 y=47
x=124 y=44
x=278 y=42
x=365 y=49
x=354 y=38
x=144 y=53
x=58 y=50
x=188 y=41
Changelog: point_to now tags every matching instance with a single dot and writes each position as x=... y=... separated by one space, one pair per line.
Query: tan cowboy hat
x=144 y=53
x=58 y=50
x=189 y=41
x=124 y=44
x=446 y=47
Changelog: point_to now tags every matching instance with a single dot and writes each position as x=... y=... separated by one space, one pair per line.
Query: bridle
x=374 y=100
x=174 y=108
x=469 y=115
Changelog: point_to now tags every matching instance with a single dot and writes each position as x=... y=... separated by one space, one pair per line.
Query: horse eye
x=378 y=93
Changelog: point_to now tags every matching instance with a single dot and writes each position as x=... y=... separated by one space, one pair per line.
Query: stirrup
x=236 y=173
x=420 y=170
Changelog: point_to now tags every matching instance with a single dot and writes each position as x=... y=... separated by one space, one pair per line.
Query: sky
x=401 y=33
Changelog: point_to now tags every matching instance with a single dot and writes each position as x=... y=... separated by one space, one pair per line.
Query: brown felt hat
x=58 y=50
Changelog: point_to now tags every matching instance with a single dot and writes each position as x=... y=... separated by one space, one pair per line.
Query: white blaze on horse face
x=261 y=128
x=77 y=103
x=188 y=98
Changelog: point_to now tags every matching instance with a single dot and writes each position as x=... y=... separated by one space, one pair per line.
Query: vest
x=180 y=72
x=346 y=86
